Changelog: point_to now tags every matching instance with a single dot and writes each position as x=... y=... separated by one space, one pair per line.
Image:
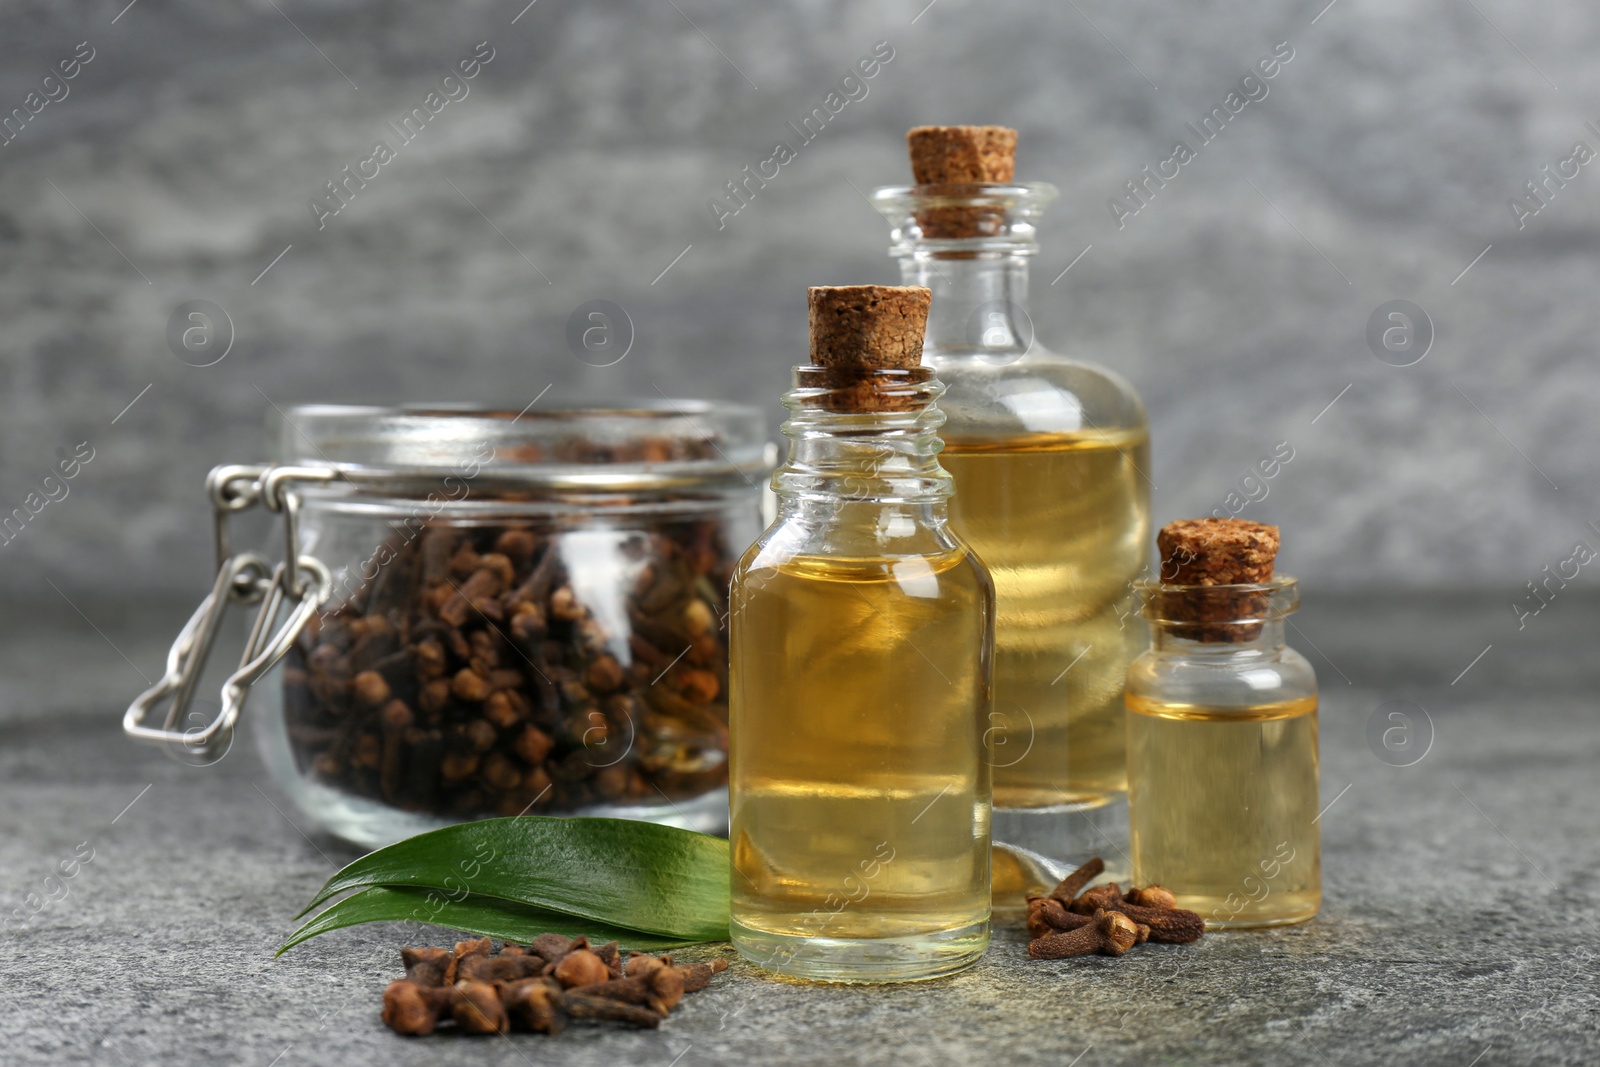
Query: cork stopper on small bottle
x=1222 y=554
x=1217 y=552
x=866 y=341
x=944 y=155
x=961 y=155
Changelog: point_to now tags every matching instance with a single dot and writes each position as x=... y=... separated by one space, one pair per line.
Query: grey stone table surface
x=1460 y=924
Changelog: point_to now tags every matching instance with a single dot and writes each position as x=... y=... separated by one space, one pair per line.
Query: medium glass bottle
x=861 y=635
x=1222 y=748
x=1051 y=460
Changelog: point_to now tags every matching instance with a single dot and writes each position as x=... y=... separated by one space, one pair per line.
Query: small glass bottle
x=861 y=637
x=1222 y=733
x=1050 y=457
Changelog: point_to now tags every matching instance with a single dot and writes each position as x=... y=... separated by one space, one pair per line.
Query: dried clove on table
x=477 y=672
x=539 y=988
x=1074 y=921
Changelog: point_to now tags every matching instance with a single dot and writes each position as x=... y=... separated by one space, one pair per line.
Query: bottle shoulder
x=861 y=542
x=1221 y=681
x=1040 y=392
x=941 y=569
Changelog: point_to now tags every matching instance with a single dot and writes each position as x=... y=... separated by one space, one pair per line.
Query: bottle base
x=1067 y=834
x=879 y=959
x=1260 y=924
x=1223 y=918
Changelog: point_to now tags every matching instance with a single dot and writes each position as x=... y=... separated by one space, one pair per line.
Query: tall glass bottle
x=1050 y=455
x=861 y=640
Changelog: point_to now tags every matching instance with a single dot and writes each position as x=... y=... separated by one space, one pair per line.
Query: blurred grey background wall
x=181 y=159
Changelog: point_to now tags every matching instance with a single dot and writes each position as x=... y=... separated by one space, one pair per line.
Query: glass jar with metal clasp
x=489 y=613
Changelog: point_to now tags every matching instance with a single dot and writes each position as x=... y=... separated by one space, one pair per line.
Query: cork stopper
x=866 y=343
x=1224 y=554
x=1217 y=552
x=868 y=326
x=943 y=155
x=959 y=155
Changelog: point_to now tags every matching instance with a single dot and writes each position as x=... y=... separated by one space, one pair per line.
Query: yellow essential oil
x=860 y=797
x=1223 y=807
x=1060 y=521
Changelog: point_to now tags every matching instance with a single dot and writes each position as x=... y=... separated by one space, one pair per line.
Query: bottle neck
x=1219 y=621
x=843 y=461
x=980 y=301
x=1253 y=640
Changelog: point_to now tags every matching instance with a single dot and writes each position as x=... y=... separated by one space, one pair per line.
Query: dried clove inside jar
x=473 y=679
x=539 y=645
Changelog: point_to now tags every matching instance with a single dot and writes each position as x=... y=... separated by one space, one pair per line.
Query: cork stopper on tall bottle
x=945 y=155
x=1214 y=565
x=866 y=343
x=961 y=155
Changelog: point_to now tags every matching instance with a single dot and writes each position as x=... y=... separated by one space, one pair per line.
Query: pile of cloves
x=494 y=670
x=1074 y=921
x=540 y=988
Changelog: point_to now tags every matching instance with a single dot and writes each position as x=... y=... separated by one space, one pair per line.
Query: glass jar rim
x=634 y=446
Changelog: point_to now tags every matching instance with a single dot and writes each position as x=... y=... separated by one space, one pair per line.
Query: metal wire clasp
x=243 y=579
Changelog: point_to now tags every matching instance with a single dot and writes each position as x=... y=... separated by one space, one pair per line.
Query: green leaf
x=475 y=915
x=632 y=875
